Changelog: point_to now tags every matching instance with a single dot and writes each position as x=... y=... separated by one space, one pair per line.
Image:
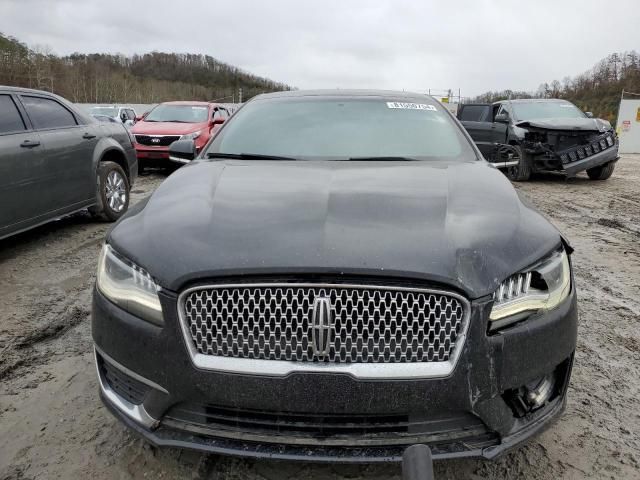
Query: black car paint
x=56 y=176
x=453 y=225
x=488 y=366
x=490 y=135
x=460 y=224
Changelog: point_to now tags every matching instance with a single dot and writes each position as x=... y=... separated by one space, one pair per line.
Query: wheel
x=113 y=192
x=601 y=172
x=522 y=171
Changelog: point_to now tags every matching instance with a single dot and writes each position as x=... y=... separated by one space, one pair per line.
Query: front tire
x=522 y=171
x=113 y=192
x=601 y=172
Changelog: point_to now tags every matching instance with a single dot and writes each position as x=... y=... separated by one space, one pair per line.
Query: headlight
x=543 y=287
x=128 y=286
x=191 y=136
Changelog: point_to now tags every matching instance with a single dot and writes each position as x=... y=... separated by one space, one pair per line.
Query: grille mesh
x=370 y=325
x=160 y=141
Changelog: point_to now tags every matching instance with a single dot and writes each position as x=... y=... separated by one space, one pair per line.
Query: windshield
x=537 y=110
x=342 y=128
x=178 y=113
x=108 y=111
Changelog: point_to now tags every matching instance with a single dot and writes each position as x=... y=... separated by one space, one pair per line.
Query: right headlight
x=191 y=136
x=128 y=286
x=542 y=287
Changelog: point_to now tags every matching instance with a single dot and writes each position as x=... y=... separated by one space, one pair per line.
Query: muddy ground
x=52 y=424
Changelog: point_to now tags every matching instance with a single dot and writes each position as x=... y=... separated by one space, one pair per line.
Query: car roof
x=530 y=100
x=25 y=90
x=184 y=102
x=390 y=94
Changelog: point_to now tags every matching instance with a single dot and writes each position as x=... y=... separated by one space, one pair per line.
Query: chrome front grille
x=365 y=324
x=157 y=140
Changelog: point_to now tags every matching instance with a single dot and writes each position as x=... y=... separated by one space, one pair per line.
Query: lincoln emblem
x=322 y=326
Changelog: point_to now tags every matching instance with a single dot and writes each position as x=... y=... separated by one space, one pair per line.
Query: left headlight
x=128 y=286
x=542 y=287
x=191 y=136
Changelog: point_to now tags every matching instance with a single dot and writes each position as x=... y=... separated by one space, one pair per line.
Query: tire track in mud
x=46 y=277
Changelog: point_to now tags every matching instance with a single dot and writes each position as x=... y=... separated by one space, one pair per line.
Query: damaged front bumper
x=148 y=381
x=573 y=167
x=572 y=153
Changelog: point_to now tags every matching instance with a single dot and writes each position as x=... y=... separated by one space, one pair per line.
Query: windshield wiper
x=381 y=159
x=247 y=156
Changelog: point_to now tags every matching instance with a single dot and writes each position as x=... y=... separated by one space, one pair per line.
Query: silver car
x=125 y=115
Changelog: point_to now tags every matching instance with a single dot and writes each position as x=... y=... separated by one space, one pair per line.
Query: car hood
x=459 y=224
x=165 y=128
x=580 y=124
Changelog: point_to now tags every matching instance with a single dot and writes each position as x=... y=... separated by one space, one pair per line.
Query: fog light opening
x=538 y=394
x=532 y=396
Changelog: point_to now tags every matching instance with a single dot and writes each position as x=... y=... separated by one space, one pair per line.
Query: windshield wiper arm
x=381 y=159
x=248 y=156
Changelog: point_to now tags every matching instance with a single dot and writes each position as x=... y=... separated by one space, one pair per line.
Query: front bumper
x=464 y=414
x=152 y=153
x=609 y=155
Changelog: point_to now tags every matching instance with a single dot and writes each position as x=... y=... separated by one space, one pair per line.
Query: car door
x=499 y=129
x=21 y=169
x=477 y=120
x=69 y=145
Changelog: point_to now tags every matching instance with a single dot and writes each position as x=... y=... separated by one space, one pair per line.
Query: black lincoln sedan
x=336 y=276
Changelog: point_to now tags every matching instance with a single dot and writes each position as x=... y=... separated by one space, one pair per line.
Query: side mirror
x=217 y=121
x=501 y=118
x=128 y=123
x=182 y=151
x=589 y=114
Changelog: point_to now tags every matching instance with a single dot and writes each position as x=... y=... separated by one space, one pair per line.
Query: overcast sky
x=474 y=45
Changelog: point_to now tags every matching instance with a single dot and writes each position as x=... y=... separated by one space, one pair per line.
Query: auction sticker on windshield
x=411 y=106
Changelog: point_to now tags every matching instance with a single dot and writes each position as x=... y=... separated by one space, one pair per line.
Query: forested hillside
x=148 y=78
x=597 y=90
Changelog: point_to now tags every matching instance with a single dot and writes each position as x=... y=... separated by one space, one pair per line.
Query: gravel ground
x=52 y=424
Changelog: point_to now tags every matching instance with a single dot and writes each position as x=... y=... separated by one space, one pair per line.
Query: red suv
x=171 y=121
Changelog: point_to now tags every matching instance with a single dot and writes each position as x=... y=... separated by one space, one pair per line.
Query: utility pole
x=240 y=95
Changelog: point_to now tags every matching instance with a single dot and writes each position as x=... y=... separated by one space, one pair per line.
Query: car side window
x=473 y=113
x=10 y=118
x=47 y=113
x=505 y=110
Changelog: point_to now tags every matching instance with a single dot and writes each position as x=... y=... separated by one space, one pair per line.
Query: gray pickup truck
x=537 y=135
x=55 y=160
